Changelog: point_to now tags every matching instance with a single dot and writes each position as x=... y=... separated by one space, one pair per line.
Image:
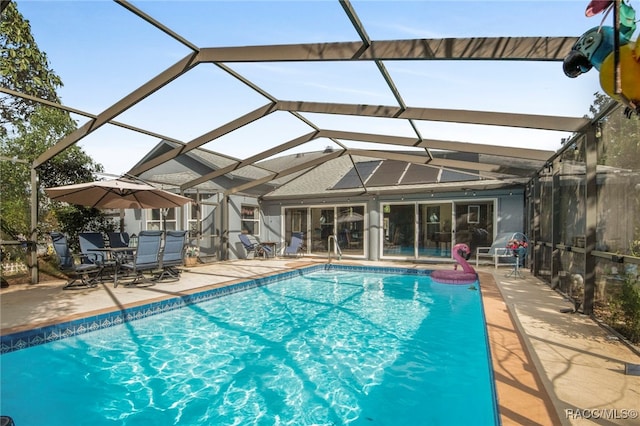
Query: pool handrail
x=336 y=248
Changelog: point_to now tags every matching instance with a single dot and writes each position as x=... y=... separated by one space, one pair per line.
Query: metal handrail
x=335 y=240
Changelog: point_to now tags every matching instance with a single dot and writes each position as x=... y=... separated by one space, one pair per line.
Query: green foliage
x=28 y=129
x=46 y=126
x=622 y=134
x=626 y=308
x=23 y=68
x=76 y=219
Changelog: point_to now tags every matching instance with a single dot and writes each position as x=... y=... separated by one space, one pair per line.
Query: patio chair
x=351 y=243
x=91 y=246
x=173 y=255
x=253 y=248
x=94 y=251
x=146 y=258
x=295 y=245
x=499 y=250
x=87 y=273
x=120 y=241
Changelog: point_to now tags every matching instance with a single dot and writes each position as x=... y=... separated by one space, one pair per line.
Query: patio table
x=272 y=246
x=115 y=256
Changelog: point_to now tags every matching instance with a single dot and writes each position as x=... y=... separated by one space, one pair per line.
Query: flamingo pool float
x=467 y=275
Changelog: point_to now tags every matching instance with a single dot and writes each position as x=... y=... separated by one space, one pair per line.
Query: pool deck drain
x=548 y=365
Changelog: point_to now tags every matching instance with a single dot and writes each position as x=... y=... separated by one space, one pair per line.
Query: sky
x=103 y=52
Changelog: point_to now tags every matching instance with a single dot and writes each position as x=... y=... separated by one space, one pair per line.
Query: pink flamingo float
x=467 y=275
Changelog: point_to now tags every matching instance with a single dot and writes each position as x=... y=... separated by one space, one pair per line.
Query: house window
x=194 y=214
x=162 y=219
x=250 y=219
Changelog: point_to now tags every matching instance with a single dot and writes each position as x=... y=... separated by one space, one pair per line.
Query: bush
x=626 y=309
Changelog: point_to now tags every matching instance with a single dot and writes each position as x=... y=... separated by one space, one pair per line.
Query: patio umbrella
x=350 y=217
x=116 y=194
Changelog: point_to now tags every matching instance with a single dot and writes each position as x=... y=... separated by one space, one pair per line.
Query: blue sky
x=102 y=52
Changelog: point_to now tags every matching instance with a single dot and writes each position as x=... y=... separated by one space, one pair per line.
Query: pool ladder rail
x=337 y=248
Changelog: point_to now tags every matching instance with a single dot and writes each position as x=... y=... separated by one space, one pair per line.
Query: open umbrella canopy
x=116 y=194
x=350 y=217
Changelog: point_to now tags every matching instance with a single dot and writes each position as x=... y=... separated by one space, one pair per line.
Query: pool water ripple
x=328 y=348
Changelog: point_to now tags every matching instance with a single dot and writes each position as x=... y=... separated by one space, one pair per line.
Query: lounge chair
x=173 y=255
x=87 y=273
x=295 y=245
x=499 y=249
x=254 y=248
x=146 y=258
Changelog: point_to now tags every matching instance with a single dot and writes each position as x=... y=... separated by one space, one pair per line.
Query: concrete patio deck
x=550 y=367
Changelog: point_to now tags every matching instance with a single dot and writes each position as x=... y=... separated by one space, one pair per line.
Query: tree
x=45 y=127
x=23 y=68
x=622 y=136
x=29 y=129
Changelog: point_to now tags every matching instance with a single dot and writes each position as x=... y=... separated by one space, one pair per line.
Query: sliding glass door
x=318 y=223
x=429 y=230
x=322 y=224
x=434 y=230
x=295 y=220
x=350 y=226
x=399 y=230
x=474 y=223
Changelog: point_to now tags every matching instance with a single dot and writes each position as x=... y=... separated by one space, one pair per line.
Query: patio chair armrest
x=481 y=251
x=82 y=258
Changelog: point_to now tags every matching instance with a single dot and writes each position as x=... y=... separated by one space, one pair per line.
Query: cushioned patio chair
x=175 y=243
x=295 y=245
x=254 y=248
x=80 y=274
x=146 y=258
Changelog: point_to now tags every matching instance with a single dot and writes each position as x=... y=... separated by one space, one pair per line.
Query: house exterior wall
x=134 y=221
x=233 y=223
x=509 y=212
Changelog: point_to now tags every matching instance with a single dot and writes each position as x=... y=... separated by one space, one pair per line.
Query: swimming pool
x=327 y=347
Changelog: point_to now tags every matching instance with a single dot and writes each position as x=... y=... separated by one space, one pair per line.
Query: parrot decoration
x=595 y=49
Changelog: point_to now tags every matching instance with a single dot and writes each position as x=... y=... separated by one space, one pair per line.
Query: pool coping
x=521 y=393
x=521 y=397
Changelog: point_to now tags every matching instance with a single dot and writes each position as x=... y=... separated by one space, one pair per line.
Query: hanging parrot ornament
x=595 y=49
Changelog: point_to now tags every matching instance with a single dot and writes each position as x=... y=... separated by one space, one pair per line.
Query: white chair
x=499 y=249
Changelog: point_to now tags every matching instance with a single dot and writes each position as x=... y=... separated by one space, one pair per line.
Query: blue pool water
x=327 y=348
